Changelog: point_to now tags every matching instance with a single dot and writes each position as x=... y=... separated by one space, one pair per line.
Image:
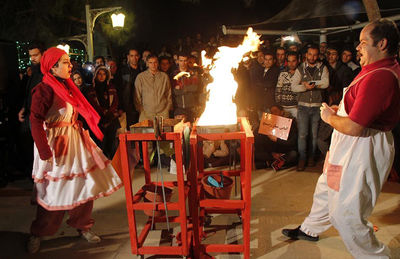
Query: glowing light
x=220 y=110
x=180 y=74
x=288 y=38
x=118 y=20
x=64 y=47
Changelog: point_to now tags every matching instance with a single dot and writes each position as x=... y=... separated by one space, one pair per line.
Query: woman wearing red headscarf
x=69 y=170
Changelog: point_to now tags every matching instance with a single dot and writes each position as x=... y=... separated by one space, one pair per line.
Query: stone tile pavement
x=279 y=200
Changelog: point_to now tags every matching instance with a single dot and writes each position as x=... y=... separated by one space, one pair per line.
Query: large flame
x=220 y=110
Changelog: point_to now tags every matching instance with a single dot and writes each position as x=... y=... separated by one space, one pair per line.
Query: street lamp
x=64 y=47
x=118 y=20
x=91 y=16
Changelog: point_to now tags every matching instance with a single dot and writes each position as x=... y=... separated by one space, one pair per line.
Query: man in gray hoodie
x=309 y=81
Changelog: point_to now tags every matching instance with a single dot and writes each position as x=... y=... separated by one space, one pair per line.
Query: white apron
x=79 y=171
x=354 y=171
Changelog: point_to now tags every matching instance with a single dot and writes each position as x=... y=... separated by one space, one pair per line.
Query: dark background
x=148 y=23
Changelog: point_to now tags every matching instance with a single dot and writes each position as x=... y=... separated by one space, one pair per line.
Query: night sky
x=172 y=19
x=149 y=23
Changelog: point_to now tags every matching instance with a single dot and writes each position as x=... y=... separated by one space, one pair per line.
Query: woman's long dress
x=79 y=172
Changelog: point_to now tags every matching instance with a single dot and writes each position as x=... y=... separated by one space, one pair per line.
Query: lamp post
x=91 y=16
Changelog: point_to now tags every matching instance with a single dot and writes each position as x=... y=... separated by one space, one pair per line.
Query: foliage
x=41 y=19
x=49 y=20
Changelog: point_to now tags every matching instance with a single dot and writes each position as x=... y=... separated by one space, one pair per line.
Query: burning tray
x=146 y=126
x=218 y=128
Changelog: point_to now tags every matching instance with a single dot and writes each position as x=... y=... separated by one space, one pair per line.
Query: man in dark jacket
x=265 y=84
x=347 y=59
x=127 y=90
x=186 y=90
x=35 y=50
x=340 y=76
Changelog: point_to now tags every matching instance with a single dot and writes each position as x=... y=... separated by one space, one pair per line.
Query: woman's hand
x=48 y=164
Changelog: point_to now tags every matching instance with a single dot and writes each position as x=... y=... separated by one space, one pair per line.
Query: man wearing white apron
x=362 y=148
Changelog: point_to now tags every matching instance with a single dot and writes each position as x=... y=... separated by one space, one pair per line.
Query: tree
x=372 y=8
x=50 y=21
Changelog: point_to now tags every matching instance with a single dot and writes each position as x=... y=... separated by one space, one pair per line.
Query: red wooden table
x=134 y=202
x=221 y=206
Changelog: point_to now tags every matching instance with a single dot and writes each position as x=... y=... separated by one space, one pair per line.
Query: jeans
x=292 y=111
x=305 y=116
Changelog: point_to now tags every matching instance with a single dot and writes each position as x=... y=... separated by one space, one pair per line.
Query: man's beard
x=35 y=67
x=311 y=63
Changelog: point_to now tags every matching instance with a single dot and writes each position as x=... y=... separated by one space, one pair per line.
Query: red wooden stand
x=221 y=206
x=135 y=202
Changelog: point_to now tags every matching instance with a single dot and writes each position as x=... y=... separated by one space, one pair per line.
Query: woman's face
x=64 y=68
x=101 y=76
x=77 y=80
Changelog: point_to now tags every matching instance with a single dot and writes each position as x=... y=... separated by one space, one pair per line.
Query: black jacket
x=35 y=79
x=126 y=91
x=264 y=88
x=341 y=76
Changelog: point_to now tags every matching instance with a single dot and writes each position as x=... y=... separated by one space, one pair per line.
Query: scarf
x=76 y=99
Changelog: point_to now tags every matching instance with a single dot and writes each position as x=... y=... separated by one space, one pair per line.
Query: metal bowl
x=218 y=128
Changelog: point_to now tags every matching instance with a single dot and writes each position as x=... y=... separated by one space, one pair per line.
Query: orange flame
x=220 y=110
x=187 y=74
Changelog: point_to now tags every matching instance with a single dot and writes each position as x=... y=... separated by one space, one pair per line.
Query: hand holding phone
x=309 y=85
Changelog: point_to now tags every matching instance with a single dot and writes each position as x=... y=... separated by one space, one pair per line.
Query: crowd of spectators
x=291 y=80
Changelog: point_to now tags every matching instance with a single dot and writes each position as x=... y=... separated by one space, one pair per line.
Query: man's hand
x=21 y=116
x=273 y=138
x=335 y=107
x=309 y=86
x=342 y=124
x=327 y=112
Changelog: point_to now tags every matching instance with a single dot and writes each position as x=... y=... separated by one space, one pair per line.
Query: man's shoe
x=298 y=234
x=90 y=236
x=33 y=245
x=301 y=165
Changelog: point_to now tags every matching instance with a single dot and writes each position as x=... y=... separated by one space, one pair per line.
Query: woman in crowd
x=103 y=97
x=77 y=78
x=69 y=170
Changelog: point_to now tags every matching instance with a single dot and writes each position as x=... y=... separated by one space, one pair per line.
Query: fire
x=181 y=74
x=220 y=110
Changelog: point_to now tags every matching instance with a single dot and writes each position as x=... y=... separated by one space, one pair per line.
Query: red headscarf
x=77 y=100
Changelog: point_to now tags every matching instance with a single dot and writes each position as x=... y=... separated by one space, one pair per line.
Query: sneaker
x=33 y=245
x=298 y=234
x=90 y=236
x=301 y=166
x=278 y=164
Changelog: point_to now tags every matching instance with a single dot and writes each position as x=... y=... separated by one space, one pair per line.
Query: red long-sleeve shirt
x=42 y=99
x=373 y=102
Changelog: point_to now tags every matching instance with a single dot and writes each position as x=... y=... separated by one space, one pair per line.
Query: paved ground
x=279 y=200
